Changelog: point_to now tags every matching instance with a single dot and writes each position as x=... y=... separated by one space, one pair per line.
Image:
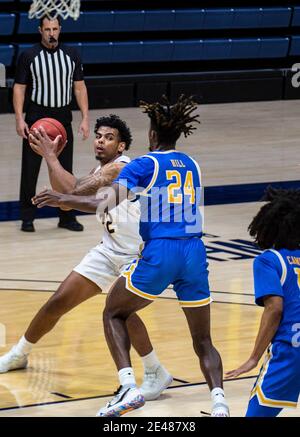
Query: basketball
x=53 y=128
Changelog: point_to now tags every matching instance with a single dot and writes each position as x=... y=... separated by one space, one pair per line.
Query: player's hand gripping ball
x=53 y=128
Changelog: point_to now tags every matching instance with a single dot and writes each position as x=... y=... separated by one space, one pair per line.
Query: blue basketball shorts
x=165 y=261
x=256 y=410
x=278 y=382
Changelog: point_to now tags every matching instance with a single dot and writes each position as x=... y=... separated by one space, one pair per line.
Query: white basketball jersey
x=121 y=224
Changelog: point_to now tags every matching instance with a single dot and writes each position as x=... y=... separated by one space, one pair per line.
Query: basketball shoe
x=220 y=410
x=154 y=383
x=12 y=361
x=125 y=400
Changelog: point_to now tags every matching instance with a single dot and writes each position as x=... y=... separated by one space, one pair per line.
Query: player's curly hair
x=115 y=122
x=277 y=224
x=170 y=121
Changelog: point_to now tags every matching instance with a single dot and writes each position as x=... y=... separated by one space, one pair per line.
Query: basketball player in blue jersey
x=168 y=184
x=276 y=228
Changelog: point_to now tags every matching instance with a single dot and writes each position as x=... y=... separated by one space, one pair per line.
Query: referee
x=48 y=72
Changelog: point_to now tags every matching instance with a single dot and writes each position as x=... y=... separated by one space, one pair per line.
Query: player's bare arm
x=91 y=183
x=105 y=200
x=65 y=201
x=273 y=306
x=63 y=181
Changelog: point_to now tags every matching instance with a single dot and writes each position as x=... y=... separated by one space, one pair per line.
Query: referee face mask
x=50 y=30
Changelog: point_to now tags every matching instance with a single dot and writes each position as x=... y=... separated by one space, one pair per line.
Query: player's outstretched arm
x=269 y=323
x=65 y=201
x=105 y=200
x=91 y=183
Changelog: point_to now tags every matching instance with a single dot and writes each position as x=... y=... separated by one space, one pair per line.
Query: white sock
x=218 y=395
x=126 y=377
x=150 y=361
x=23 y=346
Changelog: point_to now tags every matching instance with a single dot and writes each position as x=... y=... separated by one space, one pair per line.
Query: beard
x=52 y=40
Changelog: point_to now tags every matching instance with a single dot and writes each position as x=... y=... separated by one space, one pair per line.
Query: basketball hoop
x=53 y=8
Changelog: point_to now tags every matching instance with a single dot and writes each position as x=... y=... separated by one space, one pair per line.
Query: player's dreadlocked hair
x=115 y=122
x=171 y=121
x=277 y=224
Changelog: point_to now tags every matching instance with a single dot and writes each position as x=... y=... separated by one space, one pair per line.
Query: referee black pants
x=31 y=163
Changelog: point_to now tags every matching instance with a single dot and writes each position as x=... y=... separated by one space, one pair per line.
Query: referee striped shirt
x=49 y=74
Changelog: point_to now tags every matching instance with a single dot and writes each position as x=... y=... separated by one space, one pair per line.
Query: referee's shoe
x=27 y=226
x=72 y=225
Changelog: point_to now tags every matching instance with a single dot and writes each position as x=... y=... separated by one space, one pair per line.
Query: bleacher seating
x=7 y=23
x=274 y=47
x=296 y=17
x=7 y=52
x=99 y=53
x=261 y=17
x=177 y=50
x=295 y=46
x=136 y=50
x=145 y=39
x=23 y=47
x=125 y=21
x=158 y=51
x=159 y=20
x=168 y=20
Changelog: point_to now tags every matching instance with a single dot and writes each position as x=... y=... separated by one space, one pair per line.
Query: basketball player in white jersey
x=104 y=263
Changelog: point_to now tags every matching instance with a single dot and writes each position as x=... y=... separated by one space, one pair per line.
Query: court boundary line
x=236 y=303
x=56 y=393
x=180 y=380
x=192 y=384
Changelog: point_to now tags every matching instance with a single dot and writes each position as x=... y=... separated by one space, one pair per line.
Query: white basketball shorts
x=103 y=266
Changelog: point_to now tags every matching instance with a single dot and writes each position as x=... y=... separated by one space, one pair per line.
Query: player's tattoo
x=91 y=183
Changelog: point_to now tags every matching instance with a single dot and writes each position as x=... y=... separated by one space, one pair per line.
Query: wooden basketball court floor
x=70 y=371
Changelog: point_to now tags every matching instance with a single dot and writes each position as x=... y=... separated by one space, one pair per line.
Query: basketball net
x=53 y=8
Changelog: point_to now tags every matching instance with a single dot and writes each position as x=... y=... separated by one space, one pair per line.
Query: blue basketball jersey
x=278 y=273
x=169 y=188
